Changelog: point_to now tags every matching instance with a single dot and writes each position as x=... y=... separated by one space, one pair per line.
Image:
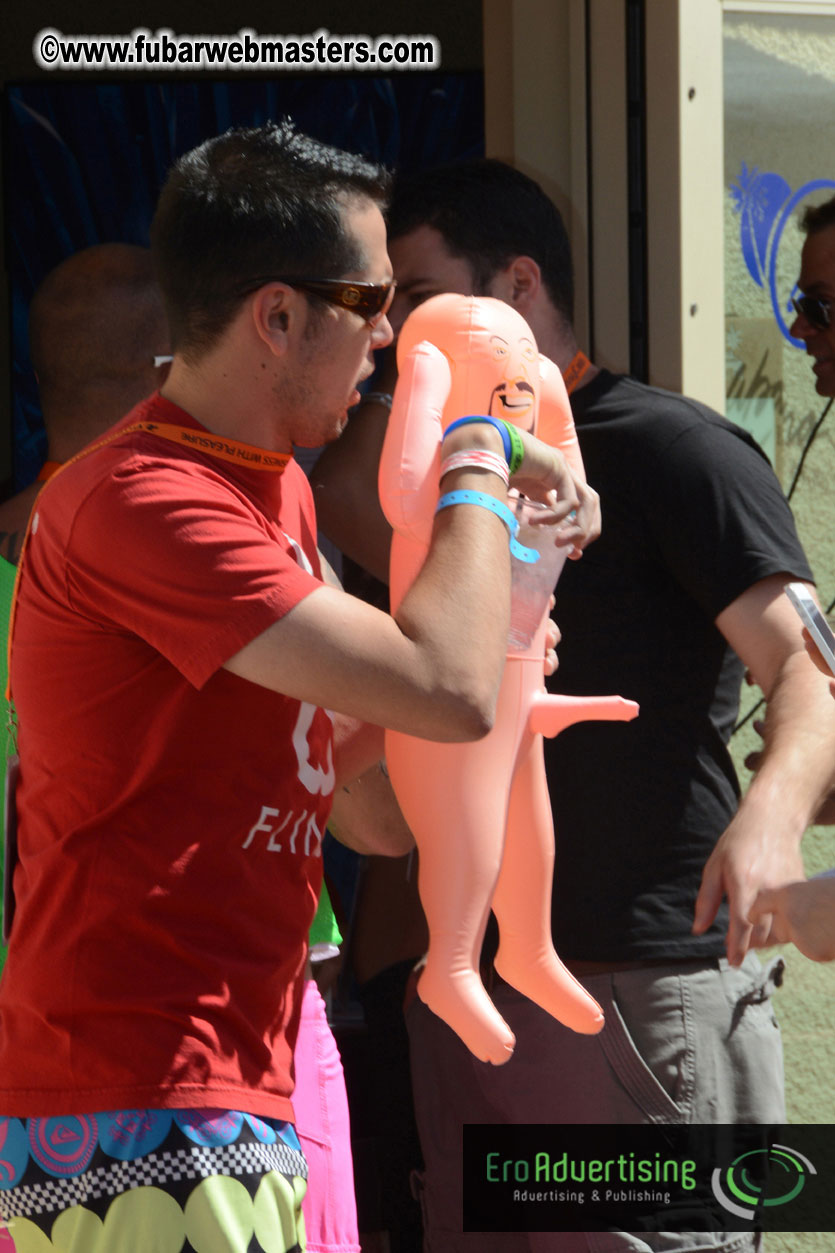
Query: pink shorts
x=322 y=1124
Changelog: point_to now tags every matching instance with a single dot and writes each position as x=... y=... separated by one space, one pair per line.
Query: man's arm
x=366 y=816
x=760 y=850
x=433 y=670
x=826 y=814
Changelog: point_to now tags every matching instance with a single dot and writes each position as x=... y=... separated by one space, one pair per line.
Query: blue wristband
x=500 y=426
x=466 y=497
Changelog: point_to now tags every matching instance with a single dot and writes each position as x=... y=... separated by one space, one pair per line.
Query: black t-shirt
x=692 y=516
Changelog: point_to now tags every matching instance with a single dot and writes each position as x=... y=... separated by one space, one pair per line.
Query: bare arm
x=366 y=816
x=434 y=670
x=760 y=849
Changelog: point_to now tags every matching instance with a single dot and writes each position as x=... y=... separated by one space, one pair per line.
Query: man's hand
x=589 y=515
x=544 y=475
x=743 y=866
x=801 y=912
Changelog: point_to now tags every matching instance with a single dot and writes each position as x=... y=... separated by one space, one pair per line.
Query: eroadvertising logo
x=739 y=1189
x=657 y=1177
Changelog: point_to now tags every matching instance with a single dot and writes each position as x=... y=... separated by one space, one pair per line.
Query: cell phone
x=814 y=621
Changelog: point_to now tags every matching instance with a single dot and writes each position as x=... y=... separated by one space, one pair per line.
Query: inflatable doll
x=480 y=812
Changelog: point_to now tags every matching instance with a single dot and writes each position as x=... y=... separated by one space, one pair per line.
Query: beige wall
x=536 y=54
x=535 y=104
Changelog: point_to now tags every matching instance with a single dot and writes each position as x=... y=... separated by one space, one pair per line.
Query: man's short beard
x=317 y=312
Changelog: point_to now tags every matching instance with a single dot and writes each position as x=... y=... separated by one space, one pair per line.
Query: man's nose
x=382 y=334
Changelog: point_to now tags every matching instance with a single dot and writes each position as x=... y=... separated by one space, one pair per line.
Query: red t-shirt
x=170 y=814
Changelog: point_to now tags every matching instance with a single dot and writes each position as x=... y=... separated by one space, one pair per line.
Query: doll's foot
x=544 y=980
x=462 y=1001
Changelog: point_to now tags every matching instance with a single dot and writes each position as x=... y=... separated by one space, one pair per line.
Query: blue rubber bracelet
x=466 y=497
x=500 y=426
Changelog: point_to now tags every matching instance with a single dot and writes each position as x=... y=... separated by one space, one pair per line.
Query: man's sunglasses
x=371 y=301
x=814 y=310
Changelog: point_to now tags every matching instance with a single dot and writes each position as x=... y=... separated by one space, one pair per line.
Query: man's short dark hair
x=817 y=217
x=488 y=213
x=247 y=205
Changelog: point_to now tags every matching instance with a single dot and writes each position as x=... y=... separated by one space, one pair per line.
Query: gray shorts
x=684 y=1042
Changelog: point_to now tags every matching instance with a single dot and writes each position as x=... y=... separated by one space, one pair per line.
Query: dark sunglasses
x=371 y=301
x=814 y=310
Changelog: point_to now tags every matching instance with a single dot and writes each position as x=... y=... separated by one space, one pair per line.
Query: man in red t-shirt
x=175 y=658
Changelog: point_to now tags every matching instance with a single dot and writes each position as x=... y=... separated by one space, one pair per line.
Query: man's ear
x=275 y=314
x=518 y=284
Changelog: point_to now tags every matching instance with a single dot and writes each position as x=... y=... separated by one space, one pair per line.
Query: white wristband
x=477 y=459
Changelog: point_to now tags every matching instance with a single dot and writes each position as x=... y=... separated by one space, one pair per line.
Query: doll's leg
x=522 y=902
x=454 y=798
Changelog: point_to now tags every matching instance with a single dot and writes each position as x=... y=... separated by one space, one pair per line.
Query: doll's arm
x=556 y=423
x=410 y=461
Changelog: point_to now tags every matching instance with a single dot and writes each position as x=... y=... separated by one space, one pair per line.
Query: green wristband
x=517 y=448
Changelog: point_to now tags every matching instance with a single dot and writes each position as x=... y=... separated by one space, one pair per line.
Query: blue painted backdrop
x=765 y=202
x=84 y=165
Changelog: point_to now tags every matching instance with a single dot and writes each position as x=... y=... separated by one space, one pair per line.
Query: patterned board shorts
x=151 y=1181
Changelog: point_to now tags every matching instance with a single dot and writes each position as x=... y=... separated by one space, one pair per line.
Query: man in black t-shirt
x=657 y=860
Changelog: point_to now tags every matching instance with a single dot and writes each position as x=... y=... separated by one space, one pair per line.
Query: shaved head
x=95 y=324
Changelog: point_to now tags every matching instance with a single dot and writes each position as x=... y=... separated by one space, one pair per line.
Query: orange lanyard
x=575 y=371
x=200 y=441
x=216 y=446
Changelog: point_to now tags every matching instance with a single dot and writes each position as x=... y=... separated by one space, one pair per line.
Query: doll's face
x=514 y=395
x=492 y=352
